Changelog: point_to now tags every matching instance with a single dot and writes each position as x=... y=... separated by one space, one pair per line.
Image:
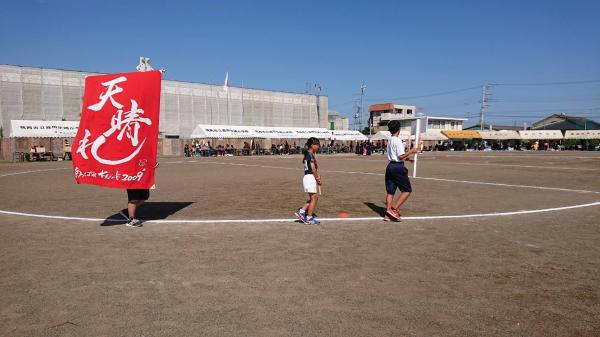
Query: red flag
x=117 y=138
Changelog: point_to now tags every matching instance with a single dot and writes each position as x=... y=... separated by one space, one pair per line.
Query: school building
x=381 y=114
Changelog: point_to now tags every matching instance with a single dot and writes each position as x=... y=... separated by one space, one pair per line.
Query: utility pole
x=318 y=89
x=484 y=103
x=315 y=89
x=362 y=107
x=357 y=116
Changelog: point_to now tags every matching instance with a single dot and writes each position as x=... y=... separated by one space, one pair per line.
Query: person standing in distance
x=135 y=199
x=396 y=174
x=310 y=181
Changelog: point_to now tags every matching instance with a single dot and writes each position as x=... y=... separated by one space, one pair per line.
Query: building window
x=435 y=125
x=409 y=111
x=452 y=125
x=399 y=111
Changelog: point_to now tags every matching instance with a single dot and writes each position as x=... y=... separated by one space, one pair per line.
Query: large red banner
x=117 y=138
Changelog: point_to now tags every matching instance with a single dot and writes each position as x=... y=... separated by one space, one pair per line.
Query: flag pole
x=417 y=134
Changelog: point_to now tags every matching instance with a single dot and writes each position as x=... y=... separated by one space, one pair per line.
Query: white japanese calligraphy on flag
x=116 y=143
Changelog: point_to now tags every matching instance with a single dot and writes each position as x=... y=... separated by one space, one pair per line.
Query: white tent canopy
x=222 y=131
x=320 y=133
x=540 y=134
x=42 y=129
x=238 y=131
x=500 y=135
x=348 y=135
x=582 y=134
x=274 y=132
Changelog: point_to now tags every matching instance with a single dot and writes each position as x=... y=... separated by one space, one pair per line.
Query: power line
x=426 y=95
x=534 y=116
x=449 y=92
x=540 y=100
x=553 y=109
x=547 y=83
x=344 y=103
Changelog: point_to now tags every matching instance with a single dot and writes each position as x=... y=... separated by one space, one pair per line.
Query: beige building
x=336 y=122
x=381 y=114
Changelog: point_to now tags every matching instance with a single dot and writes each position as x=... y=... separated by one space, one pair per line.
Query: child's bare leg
x=305 y=207
x=312 y=204
x=131 y=207
x=401 y=199
x=389 y=202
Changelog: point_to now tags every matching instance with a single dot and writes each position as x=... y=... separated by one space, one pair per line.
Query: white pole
x=417 y=134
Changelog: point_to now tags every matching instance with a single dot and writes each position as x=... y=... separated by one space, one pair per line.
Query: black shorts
x=137 y=194
x=396 y=177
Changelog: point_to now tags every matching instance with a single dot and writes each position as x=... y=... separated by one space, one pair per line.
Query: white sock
x=302 y=211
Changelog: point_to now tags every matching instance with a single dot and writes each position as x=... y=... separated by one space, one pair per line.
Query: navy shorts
x=396 y=177
x=137 y=194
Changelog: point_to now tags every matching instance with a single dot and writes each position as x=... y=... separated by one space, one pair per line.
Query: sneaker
x=134 y=223
x=312 y=221
x=300 y=215
x=387 y=218
x=123 y=213
x=393 y=214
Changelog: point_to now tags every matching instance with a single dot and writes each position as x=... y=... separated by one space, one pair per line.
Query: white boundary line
x=34 y=171
x=423 y=178
x=217 y=221
x=547 y=167
x=432 y=217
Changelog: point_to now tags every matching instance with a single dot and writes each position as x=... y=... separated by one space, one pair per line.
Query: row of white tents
x=34 y=128
x=66 y=129
x=438 y=135
x=266 y=132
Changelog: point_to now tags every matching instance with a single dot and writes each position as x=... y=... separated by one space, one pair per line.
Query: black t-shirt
x=309 y=158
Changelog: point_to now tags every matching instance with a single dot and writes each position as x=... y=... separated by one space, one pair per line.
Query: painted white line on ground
x=423 y=178
x=548 y=167
x=33 y=171
x=523 y=155
x=528 y=166
x=216 y=221
x=510 y=185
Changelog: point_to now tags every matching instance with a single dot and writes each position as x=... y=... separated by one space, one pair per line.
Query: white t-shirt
x=395 y=149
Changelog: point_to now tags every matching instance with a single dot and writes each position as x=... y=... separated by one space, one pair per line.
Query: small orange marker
x=344 y=215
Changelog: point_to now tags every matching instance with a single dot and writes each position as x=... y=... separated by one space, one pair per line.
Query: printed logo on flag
x=116 y=144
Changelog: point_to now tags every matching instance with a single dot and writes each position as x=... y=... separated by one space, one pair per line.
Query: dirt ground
x=457 y=265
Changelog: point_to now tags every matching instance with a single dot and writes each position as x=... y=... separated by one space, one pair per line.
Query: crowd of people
x=366 y=148
x=207 y=149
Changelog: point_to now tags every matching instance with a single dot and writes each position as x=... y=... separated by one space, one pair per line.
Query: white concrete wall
x=50 y=94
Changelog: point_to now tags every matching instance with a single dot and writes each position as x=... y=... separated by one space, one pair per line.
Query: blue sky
x=400 y=49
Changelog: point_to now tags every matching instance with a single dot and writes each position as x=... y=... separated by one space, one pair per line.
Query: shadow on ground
x=149 y=211
x=377 y=209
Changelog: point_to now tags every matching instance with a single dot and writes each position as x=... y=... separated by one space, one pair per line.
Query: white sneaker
x=134 y=223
